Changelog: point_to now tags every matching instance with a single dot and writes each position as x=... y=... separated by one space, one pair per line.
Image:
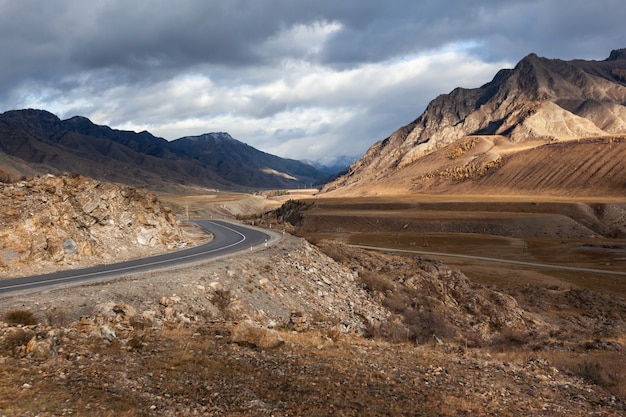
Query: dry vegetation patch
x=185 y=367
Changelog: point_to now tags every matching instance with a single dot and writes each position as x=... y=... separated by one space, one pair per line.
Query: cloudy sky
x=304 y=79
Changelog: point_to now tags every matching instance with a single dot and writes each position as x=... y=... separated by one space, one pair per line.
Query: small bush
x=135 y=343
x=6 y=177
x=398 y=302
x=374 y=282
x=222 y=299
x=14 y=340
x=425 y=325
x=592 y=373
x=511 y=337
x=390 y=331
x=58 y=318
x=22 y=316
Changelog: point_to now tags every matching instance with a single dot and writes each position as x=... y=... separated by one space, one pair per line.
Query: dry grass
x=558 y=296
x=552 y=252
x=196 y=370
x=606 y=370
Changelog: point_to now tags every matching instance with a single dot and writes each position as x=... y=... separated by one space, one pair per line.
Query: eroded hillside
x=484 y=165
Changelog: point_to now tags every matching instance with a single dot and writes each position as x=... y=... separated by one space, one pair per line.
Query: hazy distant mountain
x=545 y=126
x=34 y=141
x=242 y=164
x=333 y=165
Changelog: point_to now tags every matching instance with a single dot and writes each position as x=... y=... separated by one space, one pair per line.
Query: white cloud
x=309 y=112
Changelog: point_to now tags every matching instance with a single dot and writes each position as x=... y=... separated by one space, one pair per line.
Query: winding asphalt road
x=228 y=238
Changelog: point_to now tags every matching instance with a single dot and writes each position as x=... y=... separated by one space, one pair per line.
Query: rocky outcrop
x=56 y=222
x=430 y=299
x=191 y=341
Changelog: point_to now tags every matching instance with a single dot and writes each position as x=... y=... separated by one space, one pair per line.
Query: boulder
x=248 y=333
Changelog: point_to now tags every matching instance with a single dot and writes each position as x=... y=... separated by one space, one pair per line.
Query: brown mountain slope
x=465 y=135
x=493 y=165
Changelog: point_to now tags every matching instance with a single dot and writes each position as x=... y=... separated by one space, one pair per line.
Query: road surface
x=228 y=238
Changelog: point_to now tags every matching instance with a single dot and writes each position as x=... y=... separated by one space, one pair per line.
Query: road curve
x=228 y=238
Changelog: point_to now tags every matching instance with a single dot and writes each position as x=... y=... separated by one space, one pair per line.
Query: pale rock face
x=59 y=222
x=249 y=333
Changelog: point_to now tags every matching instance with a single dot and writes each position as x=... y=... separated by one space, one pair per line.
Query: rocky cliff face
x=540 y=101
x=57 y=222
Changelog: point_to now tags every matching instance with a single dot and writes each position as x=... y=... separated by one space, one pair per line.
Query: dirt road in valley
x=488 y=259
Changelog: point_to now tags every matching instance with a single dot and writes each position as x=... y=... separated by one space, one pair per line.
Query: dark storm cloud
x=161 y=35
x=282 y=73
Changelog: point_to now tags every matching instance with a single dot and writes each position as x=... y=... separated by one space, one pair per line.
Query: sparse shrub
x=56 y=317
x=592 y=372
x=397 y=302
x=135 y=343
x=20 y=316
x=138 y=322
x=333 y=333
x=222 y=299
x=511 y=337
x=461 y=148
x=6 y=177
x=374 y=282
x=15 y=339
x=425 y=325
x=395 y=332
x=606 y=368
x=391 y=331
x=333 y=251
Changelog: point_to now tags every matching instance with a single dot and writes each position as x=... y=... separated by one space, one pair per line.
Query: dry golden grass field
x=560 y=231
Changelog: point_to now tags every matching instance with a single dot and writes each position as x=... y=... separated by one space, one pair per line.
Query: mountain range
x=36 y=142
x=547 y=126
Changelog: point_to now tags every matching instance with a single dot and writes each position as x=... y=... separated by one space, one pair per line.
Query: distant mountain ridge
x=36 y=141
x=240 y=163
x=465 y=138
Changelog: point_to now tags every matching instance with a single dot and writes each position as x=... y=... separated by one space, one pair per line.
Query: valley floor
x=163 y=343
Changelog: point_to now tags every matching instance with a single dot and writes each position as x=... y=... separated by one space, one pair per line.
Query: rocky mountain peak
x=214 y=138
x=617 y=54
x=539 y=101
x=38 y=120
x=219 y=136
